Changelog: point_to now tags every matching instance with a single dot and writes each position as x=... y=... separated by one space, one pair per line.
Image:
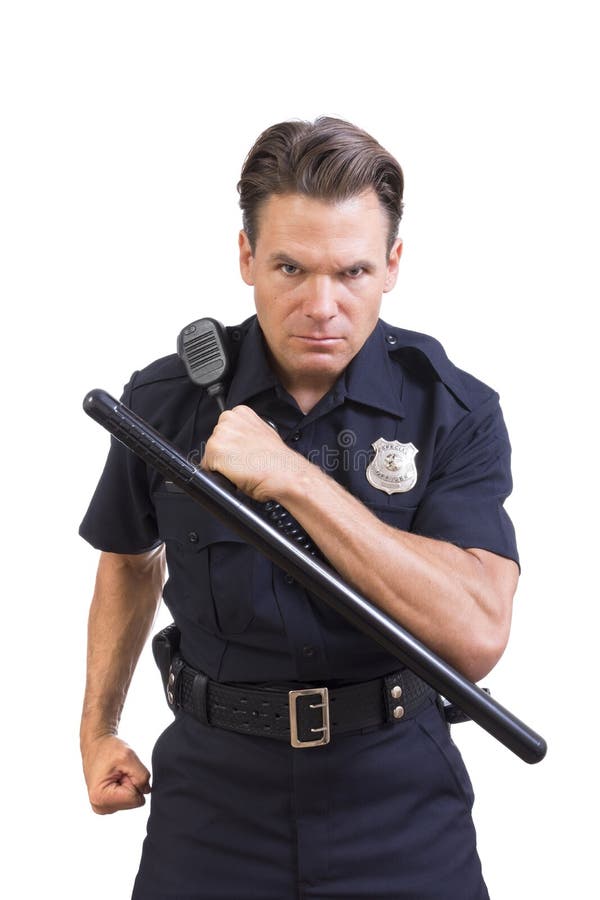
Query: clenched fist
x=115 y=777
x=245 y=449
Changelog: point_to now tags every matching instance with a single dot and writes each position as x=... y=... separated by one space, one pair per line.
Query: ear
x=392 y=266
x=246 y=258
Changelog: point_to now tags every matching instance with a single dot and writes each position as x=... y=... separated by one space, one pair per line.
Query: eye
x=289 y=269
x=354 y=272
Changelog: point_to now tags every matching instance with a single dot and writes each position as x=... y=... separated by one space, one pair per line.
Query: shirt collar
x=253 y=373
x=369 y=379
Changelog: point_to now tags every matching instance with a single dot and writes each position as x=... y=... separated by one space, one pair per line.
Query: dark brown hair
x=328 y=159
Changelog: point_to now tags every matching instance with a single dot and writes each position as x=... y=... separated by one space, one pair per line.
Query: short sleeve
x=464 y=500
x=121 y=517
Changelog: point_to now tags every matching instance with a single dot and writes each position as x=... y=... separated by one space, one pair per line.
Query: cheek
x=363 y=321
x=365 y=309
x=271 y=317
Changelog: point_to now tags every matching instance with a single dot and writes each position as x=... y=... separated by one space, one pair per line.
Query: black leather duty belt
x=308 y=717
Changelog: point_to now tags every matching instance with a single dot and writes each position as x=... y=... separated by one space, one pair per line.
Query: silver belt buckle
x=323 y=693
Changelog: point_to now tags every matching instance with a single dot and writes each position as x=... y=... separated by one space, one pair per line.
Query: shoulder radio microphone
x=202 y=347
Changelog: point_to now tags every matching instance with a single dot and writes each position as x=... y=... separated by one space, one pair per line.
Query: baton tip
x=536 y=751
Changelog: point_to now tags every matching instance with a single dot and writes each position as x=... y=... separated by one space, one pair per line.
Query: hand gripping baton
x=218 y=495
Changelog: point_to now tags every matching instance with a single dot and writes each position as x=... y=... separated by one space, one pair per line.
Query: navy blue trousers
x=379 y=815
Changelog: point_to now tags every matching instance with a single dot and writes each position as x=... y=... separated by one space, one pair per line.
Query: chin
x=315 y=365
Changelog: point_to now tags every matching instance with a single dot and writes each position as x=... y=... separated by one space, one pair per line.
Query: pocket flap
x=182 y=519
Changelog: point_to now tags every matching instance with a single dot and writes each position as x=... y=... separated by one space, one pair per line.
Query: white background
x=124 y=126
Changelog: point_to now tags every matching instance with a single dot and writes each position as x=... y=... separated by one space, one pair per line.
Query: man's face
x=319 y=271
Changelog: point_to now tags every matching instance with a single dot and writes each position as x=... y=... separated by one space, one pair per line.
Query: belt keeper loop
x=171 y=687
x=200 y=697
x=394 y=697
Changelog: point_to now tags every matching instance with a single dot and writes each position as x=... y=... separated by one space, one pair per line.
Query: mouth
x=320 y=340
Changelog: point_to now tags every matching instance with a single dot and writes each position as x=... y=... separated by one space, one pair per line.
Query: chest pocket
x=211 y=570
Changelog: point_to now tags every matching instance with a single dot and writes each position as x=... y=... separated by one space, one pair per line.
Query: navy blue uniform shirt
x=241 y=617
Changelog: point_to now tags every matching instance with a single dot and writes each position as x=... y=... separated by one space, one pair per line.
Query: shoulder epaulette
x=411 y=345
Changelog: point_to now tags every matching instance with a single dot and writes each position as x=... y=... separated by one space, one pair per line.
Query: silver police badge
x=393 y=468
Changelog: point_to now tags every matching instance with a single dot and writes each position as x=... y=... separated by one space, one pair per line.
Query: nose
x=320 y=303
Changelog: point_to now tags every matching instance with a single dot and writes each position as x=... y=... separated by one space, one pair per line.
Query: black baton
x=218 y=495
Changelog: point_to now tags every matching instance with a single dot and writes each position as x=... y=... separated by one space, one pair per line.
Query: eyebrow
x=287 y=260
x=284 y=258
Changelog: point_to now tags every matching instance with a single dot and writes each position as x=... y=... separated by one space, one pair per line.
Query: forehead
x=288 y=222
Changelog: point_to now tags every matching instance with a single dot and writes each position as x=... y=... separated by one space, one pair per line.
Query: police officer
x=396 y=463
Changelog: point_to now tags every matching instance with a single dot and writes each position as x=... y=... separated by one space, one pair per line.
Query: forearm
x=441 y=593
x=124 y=605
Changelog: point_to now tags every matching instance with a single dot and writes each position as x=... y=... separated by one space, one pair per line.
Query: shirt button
x=308 y=650
x=288 y=579
x=193 y=537
x=296 y=436
x=391 y=338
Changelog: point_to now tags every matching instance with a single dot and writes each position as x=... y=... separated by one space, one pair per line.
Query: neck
x=306 y=390
x=306 y=397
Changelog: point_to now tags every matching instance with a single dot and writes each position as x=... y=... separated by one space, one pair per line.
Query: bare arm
x=126 y=597
x=459 y=602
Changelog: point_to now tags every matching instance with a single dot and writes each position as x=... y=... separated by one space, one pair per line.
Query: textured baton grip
x=136 y=434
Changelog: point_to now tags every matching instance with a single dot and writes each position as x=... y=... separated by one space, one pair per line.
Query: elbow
x=482 y=659
x=485 y=649
x=490 y=615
